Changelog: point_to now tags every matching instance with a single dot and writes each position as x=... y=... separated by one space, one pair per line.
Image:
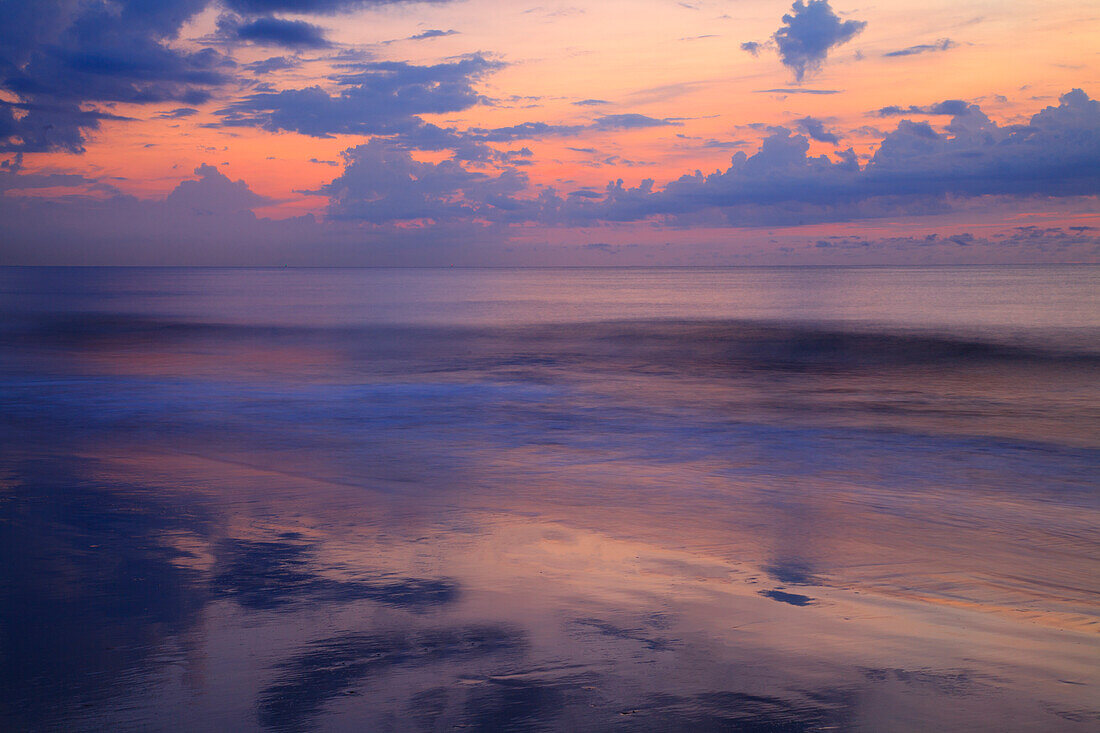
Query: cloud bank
x=916 y=170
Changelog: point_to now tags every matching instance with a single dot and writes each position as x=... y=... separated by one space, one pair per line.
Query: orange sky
x=665 y=60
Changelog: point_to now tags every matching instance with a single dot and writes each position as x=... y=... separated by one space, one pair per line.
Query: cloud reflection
x=92 y=593
x=326 y=668
x=265 y=575
x=746 y=713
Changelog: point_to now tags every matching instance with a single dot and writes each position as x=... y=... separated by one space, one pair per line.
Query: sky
x=576 y=133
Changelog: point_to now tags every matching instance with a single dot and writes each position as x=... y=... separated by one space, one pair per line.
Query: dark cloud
x=376 y=98
x=751 y=47
x=62 y=55
x=591 y=102
x=816 y=130
x=279 y=32
x=943 y=44
x=39 y=127
x=809 y=32
x=88 y=117
x=57 y=57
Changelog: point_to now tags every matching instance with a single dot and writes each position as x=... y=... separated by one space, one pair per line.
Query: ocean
x=746 y=499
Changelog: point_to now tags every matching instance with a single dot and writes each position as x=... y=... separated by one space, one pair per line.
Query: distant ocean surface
x=794 y=499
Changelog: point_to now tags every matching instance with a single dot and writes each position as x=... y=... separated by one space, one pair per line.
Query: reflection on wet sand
x=90 y=594
x=327 y=668
x=604 y=525
x=544 y=623
x=275 y=573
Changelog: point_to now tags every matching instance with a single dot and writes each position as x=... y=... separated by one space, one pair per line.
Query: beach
x=550 y=499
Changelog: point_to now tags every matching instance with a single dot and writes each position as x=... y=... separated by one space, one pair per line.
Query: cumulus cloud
x=809 y=32
x=59 y=58
x=213 y=193
x=382 y=183
x=56 y=57
x=1056 y=154
x=815 y=128
x=917 y=169
x=375 y=98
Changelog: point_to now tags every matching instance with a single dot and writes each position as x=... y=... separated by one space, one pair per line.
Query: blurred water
x=638 y=499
